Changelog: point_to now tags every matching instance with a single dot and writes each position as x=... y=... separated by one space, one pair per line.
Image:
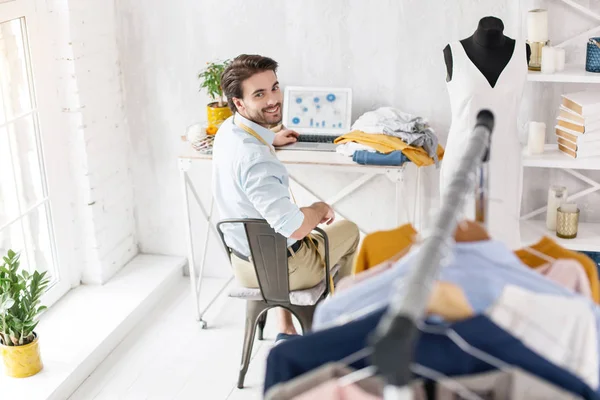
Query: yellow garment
x=386 y=144
x=378 y=247
x=550 y=248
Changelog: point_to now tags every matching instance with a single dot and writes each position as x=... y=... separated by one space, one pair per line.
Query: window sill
x=82 y=328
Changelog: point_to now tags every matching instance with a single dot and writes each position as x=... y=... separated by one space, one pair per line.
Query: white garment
x=388 y=120
x=348 y=149
x=561 y=329
x=471 y=92
x=414 y=131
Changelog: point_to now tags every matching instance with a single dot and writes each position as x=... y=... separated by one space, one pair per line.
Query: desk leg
x=190 y=242
x=396 y=175
x=416 y=203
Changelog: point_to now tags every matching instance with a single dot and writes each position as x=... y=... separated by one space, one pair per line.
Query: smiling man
x=250 y=182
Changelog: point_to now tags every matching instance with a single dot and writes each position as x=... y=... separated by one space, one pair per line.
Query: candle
x=537 y=25
x=557 y=195
x=537 y=137
x=569 y=208
x=559 y=61
x=548 y=60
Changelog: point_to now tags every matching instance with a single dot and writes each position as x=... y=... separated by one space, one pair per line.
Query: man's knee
x=351 y=230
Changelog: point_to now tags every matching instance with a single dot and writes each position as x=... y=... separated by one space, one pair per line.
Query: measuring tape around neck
x=253 y=133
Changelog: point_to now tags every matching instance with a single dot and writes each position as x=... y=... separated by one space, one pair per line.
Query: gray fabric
x=304 y=297
x=512 y=384
x=413 y=130
x=310 y=380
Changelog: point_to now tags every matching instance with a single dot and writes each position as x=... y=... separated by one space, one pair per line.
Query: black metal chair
x=268 y=254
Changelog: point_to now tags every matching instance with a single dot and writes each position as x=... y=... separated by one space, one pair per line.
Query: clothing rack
x=394 y=337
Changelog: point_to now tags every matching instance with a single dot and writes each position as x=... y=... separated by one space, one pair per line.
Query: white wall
x=82 y=38
x=388 y=52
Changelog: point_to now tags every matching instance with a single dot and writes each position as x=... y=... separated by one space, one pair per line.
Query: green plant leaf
x=20 y=294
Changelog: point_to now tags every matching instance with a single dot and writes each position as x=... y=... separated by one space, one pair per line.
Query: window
x=26 y=209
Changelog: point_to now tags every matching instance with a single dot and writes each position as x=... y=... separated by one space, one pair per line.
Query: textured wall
x=82 y=39
x=388 y=52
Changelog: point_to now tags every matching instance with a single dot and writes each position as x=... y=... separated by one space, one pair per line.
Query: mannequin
x=488 y=71
x=488 y=49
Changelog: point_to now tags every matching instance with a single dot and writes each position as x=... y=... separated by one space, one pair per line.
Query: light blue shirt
x=481 y=269
x=250 y=182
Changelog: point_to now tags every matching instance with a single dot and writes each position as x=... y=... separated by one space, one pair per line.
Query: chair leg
x=305 y=316
x=253 y=310
x=262 y=321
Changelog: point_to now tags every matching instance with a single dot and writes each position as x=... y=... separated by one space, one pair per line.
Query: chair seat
x=303 y=297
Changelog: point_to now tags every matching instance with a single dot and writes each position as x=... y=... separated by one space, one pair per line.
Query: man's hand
x=329 y=217
x=284 y=137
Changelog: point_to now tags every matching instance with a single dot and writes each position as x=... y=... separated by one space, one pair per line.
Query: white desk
x=330 y=161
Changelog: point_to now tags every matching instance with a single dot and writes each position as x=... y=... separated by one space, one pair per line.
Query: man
x=250 y=182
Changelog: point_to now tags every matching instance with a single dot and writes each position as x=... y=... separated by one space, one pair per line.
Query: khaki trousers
x=305 y=267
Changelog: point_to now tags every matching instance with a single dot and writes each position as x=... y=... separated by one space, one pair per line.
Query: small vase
x=216 y=115
x=22 y=361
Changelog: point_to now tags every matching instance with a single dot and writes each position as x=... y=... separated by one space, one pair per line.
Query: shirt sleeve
x=260 y=180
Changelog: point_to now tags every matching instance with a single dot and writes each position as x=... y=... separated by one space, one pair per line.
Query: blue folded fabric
x=365 y=157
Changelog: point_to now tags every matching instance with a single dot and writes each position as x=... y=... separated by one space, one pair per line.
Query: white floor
x=168 y=356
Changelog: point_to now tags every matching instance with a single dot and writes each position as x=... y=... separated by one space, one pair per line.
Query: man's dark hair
x=240 y=69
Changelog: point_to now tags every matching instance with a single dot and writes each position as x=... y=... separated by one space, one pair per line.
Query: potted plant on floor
x=20 y=294
x=217 y=110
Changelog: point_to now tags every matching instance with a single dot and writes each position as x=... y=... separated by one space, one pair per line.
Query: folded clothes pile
x=386 y=130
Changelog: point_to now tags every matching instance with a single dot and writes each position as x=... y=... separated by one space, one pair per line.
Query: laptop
x=318 y=114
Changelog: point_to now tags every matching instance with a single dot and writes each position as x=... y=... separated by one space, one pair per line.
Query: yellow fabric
x=378 y=247
x=386 y=144
x=550 y=248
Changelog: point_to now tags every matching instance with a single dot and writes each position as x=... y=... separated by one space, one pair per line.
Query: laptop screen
x=317 y=110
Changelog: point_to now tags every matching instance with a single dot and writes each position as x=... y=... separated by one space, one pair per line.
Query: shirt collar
x=263 y=132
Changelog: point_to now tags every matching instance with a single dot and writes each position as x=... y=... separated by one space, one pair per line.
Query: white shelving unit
x=588 y=235
x=553 y=158
x=588 y=238
x=571 y=74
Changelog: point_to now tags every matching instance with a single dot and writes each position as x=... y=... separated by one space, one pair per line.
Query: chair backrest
x=268 y=250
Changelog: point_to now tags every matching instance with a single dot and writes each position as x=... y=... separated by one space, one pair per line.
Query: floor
x=168 y=356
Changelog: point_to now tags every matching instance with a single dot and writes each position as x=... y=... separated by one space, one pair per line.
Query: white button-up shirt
x=250 y=182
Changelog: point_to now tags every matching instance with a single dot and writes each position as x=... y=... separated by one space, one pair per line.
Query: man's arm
x=314 y=215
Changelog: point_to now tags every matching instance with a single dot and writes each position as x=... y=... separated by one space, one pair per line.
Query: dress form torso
x=470 y=90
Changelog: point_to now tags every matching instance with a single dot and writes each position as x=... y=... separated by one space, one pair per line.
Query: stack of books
x=578 y=125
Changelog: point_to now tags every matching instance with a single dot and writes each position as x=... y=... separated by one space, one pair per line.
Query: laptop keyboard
x=316 y=138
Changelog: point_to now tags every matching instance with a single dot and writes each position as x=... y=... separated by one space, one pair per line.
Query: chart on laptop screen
x=317 y=109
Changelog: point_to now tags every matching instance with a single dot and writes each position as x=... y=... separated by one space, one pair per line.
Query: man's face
x=262 y=99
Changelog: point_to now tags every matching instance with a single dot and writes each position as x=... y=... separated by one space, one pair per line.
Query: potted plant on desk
x=20 y=294
x=217 y=110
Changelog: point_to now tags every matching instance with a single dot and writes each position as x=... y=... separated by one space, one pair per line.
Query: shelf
x=588 y=236
x=553 y=158
x=572 y=73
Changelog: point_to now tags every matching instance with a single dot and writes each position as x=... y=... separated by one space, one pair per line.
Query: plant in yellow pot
x=217 y=111
x=20 y=294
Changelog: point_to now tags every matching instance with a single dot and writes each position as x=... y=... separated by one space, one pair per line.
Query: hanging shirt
x=482 y=269
x=434 y=349
x=378 y=247
x=561 y=329
x=568 y=273
x=554 y=250
x=250 y=182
